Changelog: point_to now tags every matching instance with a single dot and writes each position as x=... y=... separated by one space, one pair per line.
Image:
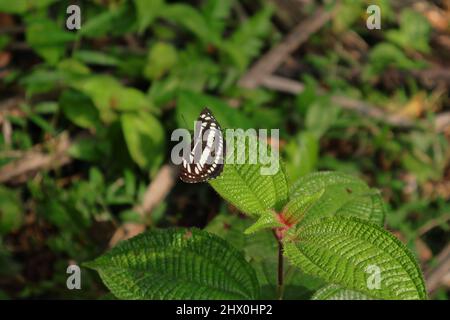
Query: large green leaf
x=244 y=185
x=343 y=250
x=176 y=264
x=335 y=292
x=343 y=194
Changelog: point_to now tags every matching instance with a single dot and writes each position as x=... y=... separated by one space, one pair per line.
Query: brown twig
x=433 y=224
x=19 y=170
x=156 y=192
x=295 y=87
x=435 y=277
x=269 y=62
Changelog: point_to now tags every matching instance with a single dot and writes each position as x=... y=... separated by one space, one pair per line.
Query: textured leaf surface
x=339 y=250
x=266 y=220
x=335 y=292
x=343 y=194
x=261 y=250
x=176 y=264
x=298 y=207
x=245 y=186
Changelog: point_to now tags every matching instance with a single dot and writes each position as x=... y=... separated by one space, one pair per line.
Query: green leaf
x=320 y=116
x=341 y=250
x=343 y=195
x=297 y=207
x=190 y=104
x=335 y=292
x=22 y=6
x=11 y=211
x=251 y=32
x=95 y=57
x=161 y=58
x=144 y=136
x=176 y=264
x=147 y=11
x=47 y=38
x=79 y=109
x=268 y=219
x=216 y=13
x=244 y=185
x=302 y=155
x=191 y=19
x=110 y=96
x=414 y=32
x=116 y=20
x=261 y=249
x=385 y=55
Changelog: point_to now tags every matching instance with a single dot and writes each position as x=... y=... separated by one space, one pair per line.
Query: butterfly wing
x=204 y=163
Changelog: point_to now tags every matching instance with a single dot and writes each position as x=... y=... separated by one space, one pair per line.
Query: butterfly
x=205 y=163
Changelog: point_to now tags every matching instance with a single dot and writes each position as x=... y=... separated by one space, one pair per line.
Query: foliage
x=138 y=69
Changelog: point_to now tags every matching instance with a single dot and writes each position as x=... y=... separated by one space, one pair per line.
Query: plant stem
x=280 y=287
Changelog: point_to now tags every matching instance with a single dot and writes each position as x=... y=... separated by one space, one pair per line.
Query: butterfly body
x=206 y=158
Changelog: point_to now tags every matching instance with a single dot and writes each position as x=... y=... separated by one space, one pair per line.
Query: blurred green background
x=86 y=118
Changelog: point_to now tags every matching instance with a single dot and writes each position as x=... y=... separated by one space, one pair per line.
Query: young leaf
x=335 y=292
x=176 y=264
x=348 y=252
x=244 y=185
x=298 y=206
x=266 y=220
x=343 y=195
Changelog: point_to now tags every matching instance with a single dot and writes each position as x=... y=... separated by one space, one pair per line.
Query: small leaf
x=340 y=250
x=161 y=58
x=266 y=220
x=110 y=96
x=176 y=264
x=298 y=207
x=335 y=292
x=79 y=109
x=144 y=136
x=47 y=38
x=11 y=211
x=191 y=19
x=414 y=32
x=96 y=58
x=147 y=11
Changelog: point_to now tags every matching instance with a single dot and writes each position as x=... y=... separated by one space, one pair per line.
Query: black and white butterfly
x=206 y=158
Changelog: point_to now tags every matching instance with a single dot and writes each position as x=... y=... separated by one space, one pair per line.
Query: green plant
x=328 y=225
